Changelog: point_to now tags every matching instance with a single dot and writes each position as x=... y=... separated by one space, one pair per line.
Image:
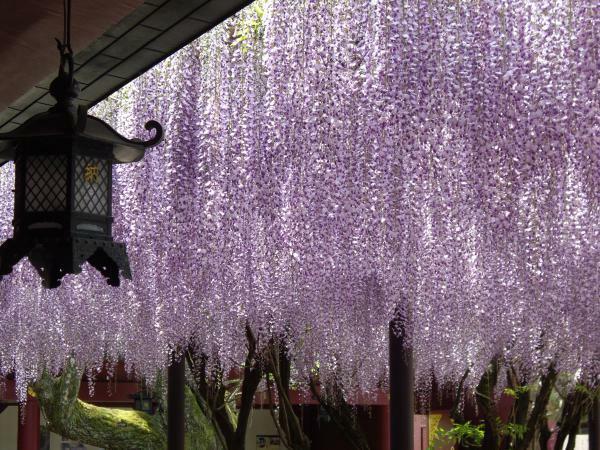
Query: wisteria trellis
x=326 y=161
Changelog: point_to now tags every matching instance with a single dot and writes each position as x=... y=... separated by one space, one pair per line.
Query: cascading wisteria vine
x=329 y=161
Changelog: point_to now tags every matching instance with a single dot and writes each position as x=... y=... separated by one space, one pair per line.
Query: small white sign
x=268 y=442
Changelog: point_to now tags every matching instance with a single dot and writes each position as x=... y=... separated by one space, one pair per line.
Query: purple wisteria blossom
x=326 y=162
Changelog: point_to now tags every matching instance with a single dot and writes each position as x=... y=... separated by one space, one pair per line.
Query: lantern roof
x=61 y=123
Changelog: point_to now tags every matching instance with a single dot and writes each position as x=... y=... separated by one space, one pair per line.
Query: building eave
x=152 y=32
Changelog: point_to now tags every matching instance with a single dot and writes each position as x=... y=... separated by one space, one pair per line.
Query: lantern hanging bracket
x=65 y=88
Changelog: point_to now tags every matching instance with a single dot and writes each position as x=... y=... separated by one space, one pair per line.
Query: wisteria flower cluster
x=329 y=162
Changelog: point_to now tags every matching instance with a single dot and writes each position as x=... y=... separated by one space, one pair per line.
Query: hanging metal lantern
x=143 y=402
x=63 y=186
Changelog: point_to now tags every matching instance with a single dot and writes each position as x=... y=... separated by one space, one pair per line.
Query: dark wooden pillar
x=28 y=436
x=176 y=404
x=594 y=425
x=402 y=403
x=384 y=423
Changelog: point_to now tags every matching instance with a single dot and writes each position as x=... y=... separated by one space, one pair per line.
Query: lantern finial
x=65 y=88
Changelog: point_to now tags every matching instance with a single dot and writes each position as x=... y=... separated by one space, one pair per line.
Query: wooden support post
x=176 y=404
x=402 y=403
x=383 y=420
x=594 y=425
x=28 y=435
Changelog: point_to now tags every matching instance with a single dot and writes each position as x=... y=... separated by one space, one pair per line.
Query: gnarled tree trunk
x=210 y=392
x=537 y=417
x=111 y=428
x=576 y=405
x=485 y=399
x=332 y=400
x=278 y=373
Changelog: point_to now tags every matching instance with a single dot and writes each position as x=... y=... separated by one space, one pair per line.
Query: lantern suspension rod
x=67 y=25
x=64 y=47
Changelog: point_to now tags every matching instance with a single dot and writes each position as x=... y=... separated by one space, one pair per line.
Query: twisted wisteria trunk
x=211 y=391
x=331 y=398
x=277 y=377
x=537 y=417
x=576 y=405
x=528 y=416
x=112 y=428
x=457 y=412
x=486 y=400
x=521 y=406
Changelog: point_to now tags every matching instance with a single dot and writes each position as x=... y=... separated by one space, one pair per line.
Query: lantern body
x=63 y=194
x=63 y=186
x=63 y=203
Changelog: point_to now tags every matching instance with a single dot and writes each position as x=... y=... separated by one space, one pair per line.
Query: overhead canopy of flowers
x=327 y=162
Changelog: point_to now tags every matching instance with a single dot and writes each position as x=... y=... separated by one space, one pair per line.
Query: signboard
x=268 y=442
x=434 y=421
x=66 y=444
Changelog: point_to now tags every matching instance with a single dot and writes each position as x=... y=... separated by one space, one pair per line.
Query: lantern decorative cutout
x=63 y=187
